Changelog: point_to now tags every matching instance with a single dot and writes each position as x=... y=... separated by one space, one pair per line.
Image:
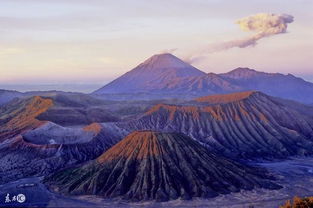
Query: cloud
x=171 y=50
x=262 y=24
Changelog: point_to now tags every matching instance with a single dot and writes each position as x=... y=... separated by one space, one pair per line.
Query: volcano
x=152 y=75
x=32 y=147
x=275 y=84
x=148 y=165
x=166 y=76
x=246 y=124
x=20 y=116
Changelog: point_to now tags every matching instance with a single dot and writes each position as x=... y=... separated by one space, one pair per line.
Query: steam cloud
x=263 y=24
x=171 y=50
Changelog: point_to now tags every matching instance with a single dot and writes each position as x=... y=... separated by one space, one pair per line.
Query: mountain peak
x=148 y=165
x=243 y=70
x=164 y=60
x=154 y=74
x=242 y=73
x=149 y=141
x=163 y=56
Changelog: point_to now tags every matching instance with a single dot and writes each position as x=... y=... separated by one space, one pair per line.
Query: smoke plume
x=263 y=25
x=171 y=50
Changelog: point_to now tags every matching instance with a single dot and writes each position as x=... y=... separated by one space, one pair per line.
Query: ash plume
x=262 y=24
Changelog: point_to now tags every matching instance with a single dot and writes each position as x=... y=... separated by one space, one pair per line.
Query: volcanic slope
x=148 y=165
x=245 y=125
x=274 y=84
x=29 y=147
x=166 y=76
x=22 y=157
x=20 y=116
x=153 y=75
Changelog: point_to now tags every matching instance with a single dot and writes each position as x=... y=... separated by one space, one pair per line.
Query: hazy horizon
x=87 y=87
x=68 y=41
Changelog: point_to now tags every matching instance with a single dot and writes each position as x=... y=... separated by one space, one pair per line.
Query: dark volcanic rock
x=76 y=109
x=245 y=125
x=151 y=165
x=8 y=95
x=20 y=158
x=31 y=147
x=71 y=116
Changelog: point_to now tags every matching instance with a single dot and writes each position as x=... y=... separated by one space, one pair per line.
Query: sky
x=69 y=44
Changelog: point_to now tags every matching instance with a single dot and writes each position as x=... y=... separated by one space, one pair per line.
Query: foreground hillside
x=151 y=165
x=294 y=175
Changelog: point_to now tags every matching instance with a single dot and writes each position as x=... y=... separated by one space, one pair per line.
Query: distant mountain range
x=166 y=76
